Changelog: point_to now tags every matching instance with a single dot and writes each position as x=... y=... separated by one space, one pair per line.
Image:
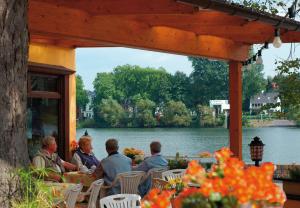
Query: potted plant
x=229 y=184
x=34 y=191
x=178 y=162
x=136 y=155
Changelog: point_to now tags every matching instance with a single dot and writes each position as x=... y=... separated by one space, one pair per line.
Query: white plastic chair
x=93 y=192
x=173 y=174
x=159 y=183
x=130 y=181
x=121 y=201
x=157 y=172
x=71 y=195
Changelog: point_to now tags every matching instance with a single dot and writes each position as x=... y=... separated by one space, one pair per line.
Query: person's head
x=155 y=147
x=85 y=144
x=111 y=145
x=49 y=144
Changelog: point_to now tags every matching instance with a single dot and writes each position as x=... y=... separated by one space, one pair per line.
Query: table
x=58 y=190
x=77 y=177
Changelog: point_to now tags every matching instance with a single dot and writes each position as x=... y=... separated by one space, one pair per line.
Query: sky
x=90 y=61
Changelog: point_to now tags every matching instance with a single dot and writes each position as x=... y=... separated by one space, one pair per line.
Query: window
x=41 y=82
x=45 y=109
x=42 y=120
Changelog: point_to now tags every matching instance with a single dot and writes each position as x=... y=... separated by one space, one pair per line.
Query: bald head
x=155 y=147
x=111 y=145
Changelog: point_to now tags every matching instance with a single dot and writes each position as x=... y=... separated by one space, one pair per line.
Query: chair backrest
x=121 y=201
x=94 y=192
x=157 y=172
x=130 y=181
x=159 y=183
x=173 y=174
x=71 y=195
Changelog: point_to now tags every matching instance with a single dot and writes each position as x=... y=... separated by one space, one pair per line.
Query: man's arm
x=141 y=167
x=76 y=160
x=69 y=166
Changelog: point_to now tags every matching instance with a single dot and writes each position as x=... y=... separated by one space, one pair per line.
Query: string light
x=277 y=41
x=266 y=46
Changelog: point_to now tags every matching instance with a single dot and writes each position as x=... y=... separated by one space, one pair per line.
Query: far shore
x=254 y=123
x=272 y=123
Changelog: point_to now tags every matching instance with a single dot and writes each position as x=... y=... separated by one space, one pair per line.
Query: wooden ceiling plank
x=72 y=23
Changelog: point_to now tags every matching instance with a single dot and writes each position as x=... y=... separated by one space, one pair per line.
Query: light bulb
x=277 y=41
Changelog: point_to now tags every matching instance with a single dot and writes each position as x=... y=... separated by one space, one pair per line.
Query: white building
x=220 y=106
x=263 y=99
x=88 y=112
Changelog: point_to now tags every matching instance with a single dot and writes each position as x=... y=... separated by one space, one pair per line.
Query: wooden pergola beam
x=235 y=98
x=245 y=12
x=123 y=7
x=251 y=33
x=203 y=17
x=76 y=24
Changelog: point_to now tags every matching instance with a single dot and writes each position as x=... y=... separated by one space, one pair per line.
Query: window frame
x=62 y=95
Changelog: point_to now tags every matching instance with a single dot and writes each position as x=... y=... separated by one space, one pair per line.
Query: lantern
x=256 y=150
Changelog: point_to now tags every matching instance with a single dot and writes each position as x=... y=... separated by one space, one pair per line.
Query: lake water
x=282 y=143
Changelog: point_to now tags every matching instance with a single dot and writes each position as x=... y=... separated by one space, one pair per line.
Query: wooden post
x=235 y=94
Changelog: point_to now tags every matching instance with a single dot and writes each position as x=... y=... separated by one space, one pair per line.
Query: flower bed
x=228 y=184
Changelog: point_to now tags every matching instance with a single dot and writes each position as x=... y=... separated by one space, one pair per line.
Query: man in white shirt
x=47 y=158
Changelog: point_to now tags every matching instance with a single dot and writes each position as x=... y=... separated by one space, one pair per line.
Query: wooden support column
x=235 y=93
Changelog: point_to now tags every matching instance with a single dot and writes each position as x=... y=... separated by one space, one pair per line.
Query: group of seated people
x=108 y=168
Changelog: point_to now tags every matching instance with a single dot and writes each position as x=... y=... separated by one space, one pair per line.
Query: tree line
x=133 y=96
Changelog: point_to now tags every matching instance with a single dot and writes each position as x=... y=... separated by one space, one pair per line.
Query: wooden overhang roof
x=210 y=28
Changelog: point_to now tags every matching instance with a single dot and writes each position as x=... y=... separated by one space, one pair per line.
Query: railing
x=281 y=172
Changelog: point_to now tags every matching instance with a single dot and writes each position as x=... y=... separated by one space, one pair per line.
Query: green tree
x=253 y=83
x=104 y=87
x=180 y=87
x=205 y=116
x=209 y=80
x=269 y=86
x=289 y=82
x=176 y=114
x=271 y=6
x=110 y=113
x=288 y=79
x=144 y=113
x=151 y=83
x=81 y=94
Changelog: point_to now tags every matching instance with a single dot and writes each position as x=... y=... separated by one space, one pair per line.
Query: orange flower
x=195 y=173
x=223 y=154
x=157 y=199
x=73 y=145
x=228 y=177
